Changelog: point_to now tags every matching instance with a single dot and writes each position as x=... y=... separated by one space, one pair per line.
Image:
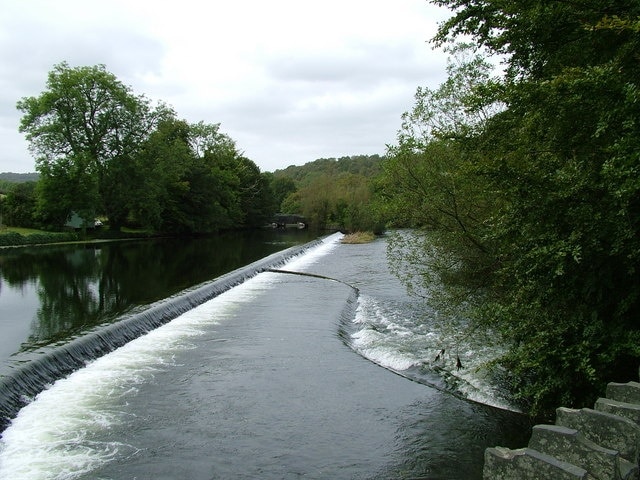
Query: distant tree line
x=7 y=178
x=100 y=150
x=333 y=193
x=103 y=152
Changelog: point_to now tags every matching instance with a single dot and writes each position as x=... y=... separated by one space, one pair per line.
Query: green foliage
x=18 y=206
x=431 y=181
x=101 y=150
x=84 y=130
x=332 y=193
x=281 y=187
x=365 y=165
x=195 y=181
x=16 y=239
x=531 y=182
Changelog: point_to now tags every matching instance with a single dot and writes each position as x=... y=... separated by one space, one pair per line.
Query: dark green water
x=262 y=381
x=51 y=294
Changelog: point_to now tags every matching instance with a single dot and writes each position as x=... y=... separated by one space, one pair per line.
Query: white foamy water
x=51 y=437
x=301 y=262
x=404 y=340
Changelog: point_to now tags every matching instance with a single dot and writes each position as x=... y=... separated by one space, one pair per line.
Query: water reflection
x=443 y=437
x=53 y=293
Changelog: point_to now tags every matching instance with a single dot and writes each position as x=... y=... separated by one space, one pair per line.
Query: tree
x=282 y=187
x=86 y=126
x=540 y=38
x=196 y=181
x=161 y=168
x=432 y=181
x=18 y=207
x=256 y=198
x=555 y=168
x=332 y=192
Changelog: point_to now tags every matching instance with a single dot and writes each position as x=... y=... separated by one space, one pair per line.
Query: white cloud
x=290 y=81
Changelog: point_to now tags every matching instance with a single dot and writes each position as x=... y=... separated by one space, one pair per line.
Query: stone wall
x=602 y=443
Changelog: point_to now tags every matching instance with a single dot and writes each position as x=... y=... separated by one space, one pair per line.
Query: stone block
x=607 y=430
x=571 y=446
x=628 y=470
x=623 y=409
x=624 y=392
x=527 y=464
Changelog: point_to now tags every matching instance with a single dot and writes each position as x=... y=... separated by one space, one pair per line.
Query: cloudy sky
x=289 y=80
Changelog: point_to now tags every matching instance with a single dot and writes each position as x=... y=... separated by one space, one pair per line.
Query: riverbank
x=13 y=237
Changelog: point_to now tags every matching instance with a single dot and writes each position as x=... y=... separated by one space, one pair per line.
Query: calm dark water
x=51 y=294
x=258 y=383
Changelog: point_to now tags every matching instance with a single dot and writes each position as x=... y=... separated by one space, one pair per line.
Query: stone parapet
x=601 y=443
x=573 y=447
x=624 y=392
x=622 y=409
x=506 y=464
x=608 y=430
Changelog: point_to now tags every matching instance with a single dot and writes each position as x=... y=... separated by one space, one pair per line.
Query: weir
x=32 y=375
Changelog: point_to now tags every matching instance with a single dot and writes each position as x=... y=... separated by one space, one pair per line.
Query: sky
x=290 y=81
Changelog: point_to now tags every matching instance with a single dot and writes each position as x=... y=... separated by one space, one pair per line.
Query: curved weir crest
x=253 y=383
x=39 y=444
x=28 y=379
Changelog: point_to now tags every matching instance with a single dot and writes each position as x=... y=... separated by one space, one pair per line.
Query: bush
x=16 y=239
x=359 y=237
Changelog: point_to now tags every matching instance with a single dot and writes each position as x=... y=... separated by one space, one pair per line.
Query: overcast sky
x=290 y=81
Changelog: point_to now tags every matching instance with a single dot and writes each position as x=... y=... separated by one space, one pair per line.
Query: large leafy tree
x=565 y=154
x=557 y=175
x=431 y=181
x=86 y=126
x=196 y=181
x=161 y=168
x=281 y=187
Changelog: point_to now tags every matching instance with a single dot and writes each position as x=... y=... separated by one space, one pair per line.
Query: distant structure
x=288 y=220
x=76 y=222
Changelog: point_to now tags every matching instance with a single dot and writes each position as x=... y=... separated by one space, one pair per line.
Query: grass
x=18 y=236
x=358 y=237
x=20 y=230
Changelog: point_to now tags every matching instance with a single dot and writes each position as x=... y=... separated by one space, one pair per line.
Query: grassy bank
x=16 y=236
x=359 y=237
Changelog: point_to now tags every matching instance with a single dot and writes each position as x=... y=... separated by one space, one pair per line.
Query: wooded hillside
x=332 y=193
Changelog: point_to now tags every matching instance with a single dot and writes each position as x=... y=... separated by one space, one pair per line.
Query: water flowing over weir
x=261 y=381
x=29 y=377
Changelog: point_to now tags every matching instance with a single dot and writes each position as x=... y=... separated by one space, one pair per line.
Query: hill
x=365 y=165
x=19 y=177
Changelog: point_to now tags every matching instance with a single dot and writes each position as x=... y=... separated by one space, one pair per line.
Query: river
x=281 y=376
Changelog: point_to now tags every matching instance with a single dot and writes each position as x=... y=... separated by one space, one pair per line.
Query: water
x=49 y=295
x=47 y=358
x=402 y=334
x=263 y=381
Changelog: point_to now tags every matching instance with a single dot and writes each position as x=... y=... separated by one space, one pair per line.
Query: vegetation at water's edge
x=333 y=193
x=329 y=193
x=18 y=236
x=526 y=185
x=358 y=237
x=103 y=152
x=12 y=238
